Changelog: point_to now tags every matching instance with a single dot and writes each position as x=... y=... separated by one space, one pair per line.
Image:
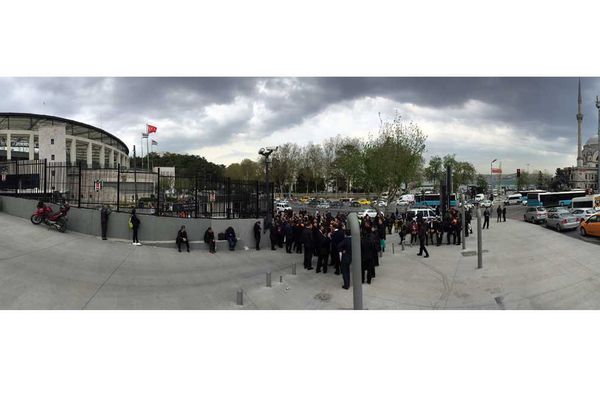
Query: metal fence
x=195 y=196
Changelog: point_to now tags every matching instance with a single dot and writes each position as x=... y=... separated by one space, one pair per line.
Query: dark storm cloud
x=213 y=111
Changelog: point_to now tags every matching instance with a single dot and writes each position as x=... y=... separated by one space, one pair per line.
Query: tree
x=482 y=184
x=434 y=172
x=523 y=181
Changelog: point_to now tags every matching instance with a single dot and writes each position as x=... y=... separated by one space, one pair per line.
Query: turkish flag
x=151 y=128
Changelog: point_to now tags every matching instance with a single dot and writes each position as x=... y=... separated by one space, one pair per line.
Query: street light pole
x=266 y=153
x=598 y=177
x=492 y=174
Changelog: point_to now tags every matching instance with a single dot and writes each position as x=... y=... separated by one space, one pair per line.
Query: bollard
x=280 y=278
x=393 y=249
x=269 y=279
x=402 y=243
x=479 y=242
x=293 y=269
x=240 y=297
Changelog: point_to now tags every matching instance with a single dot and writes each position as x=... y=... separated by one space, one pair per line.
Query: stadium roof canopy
x=26 y=121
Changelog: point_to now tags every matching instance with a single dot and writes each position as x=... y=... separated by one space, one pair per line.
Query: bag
x=130 y=223
x=221 y=236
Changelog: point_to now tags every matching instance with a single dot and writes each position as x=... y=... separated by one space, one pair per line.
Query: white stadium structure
x=36 y=137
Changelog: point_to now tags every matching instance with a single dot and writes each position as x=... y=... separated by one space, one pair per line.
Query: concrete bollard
x=269 y=279
x=240 y=297
x=402 y=245
x=293 y=269
x=280 y=278
x=393 y=249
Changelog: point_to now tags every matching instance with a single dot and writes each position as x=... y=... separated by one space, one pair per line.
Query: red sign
x=496 y=170
x=151 y=128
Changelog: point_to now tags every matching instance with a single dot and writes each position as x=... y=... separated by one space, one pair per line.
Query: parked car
x=369 y=211
x=336 y=204
x=427 y=213
x=535 y=214
x=282 y=206
x=355 y=204
x=590 y=226
x=402 y=203
x=323 y=204
x=313 y=203
x=382 y=203
x=364 y=202
x=561 y=220
x=479 y=197
x=486 y=203
x=583 y=213
x=558 y=209
x=514 y=198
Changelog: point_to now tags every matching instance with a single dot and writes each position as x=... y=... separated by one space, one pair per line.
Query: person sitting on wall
x=182 y=237
x=231 y=238
x=209 y=239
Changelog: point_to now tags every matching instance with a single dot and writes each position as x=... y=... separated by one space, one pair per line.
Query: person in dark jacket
x=297 y=229
x=504 y=214
x=345 y=247
x=104 y=213
x=209 y=239
x=231 y=238
x=182 y=237
x=499 y=212
x=422 y=235
x=324 y=243
x=486 y=218
x=273 y=235
x=337 y=236
x=257 y=234
x=135 y=226
x=367 y=253
x=289 y=236
x=307 y=242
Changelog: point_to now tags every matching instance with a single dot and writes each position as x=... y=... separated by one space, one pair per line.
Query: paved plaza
x=525 y=267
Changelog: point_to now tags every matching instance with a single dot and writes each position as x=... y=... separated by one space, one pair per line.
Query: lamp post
x=598 y=177
x=266 y=153
x=492 y=174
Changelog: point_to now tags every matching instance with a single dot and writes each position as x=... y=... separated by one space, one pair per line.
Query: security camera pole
x=266 y=153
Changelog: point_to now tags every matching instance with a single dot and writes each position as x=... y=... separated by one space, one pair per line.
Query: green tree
x=482 y=184
x=434 y=172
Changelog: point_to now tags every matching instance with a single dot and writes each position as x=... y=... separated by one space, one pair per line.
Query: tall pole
x=142 y=149
x=355 y=266
x=579 y=121
x=134 y=178
x=479 y=238
x=267 y=195
x=148 y=152
x=598 y=160
x=464 y=220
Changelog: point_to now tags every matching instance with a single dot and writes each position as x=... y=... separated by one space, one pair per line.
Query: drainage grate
x=323 y=296
x=469 y=253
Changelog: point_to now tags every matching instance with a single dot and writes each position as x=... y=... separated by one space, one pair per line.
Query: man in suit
x=307 y=242
x=257 y=234
x=336 y=238
x=345 y=247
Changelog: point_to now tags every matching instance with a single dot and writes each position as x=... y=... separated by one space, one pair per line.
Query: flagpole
x=148 y=152
x=142 y=149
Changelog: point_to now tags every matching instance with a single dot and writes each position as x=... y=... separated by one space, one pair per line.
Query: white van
x=479 y=197
x=513 y=199
x=583 y=202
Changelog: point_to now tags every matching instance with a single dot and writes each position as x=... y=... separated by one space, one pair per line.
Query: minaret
x=579 y=121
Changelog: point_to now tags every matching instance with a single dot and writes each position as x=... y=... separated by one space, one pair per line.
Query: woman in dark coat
x=209 y=239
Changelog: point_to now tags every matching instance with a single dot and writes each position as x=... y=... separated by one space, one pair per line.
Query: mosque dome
x=592 y=141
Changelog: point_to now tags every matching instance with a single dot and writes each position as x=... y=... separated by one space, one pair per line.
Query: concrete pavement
x=526 y=267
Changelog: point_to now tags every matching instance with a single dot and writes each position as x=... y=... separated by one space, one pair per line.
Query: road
x=516 y=212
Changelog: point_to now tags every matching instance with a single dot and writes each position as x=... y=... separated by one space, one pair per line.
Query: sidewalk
x=526 y=267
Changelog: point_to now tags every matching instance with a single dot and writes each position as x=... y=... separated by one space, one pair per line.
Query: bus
x=586 y=202
x=553 y=199
x=525 y=193
x=431 y=200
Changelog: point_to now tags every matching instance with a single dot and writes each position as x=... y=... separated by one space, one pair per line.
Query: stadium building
x=26 y=136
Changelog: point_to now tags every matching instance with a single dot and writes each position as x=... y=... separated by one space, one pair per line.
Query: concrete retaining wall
x=152 y=229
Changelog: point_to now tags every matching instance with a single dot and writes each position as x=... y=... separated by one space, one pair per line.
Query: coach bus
x=525 y=193
x=553 y=199
x=432 y=200
x=587 y=202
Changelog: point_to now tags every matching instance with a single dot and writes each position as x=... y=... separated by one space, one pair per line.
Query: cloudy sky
x=520 y=121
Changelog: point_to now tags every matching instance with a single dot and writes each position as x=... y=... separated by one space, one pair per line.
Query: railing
x=194 y=196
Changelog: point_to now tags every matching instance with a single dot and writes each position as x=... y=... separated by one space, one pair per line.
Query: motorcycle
x=57 y=220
